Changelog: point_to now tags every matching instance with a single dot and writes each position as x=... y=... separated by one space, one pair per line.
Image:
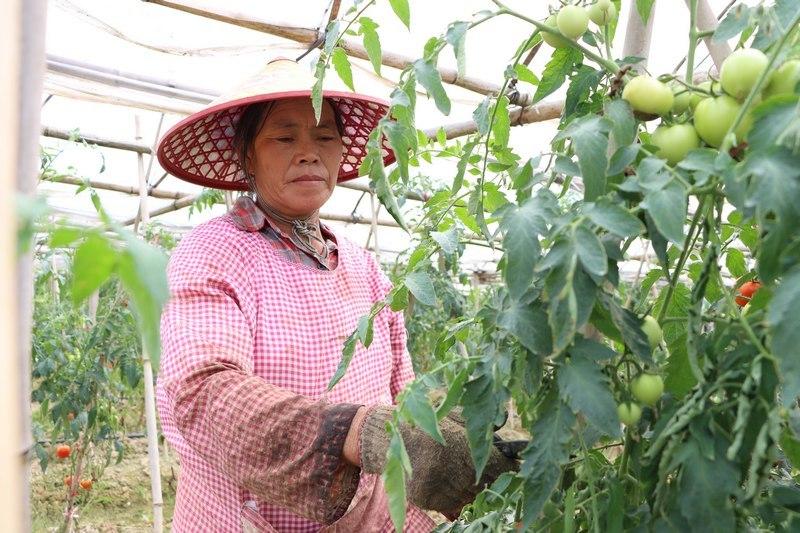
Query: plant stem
x=605 y=63
x=687 y=246
x=693 y=37
x=607 y=37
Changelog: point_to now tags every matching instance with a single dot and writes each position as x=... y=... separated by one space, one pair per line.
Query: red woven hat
x=199 y=149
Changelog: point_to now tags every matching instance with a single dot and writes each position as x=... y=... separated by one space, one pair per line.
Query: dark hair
x=249 y=124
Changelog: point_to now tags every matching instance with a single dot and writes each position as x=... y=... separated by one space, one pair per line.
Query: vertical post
x=229 y=200
x=638 y=35
x=374 y=207
x=149 y=389
x=706 y=20
x=22 y=24
x=92 y=303
x=13 y=504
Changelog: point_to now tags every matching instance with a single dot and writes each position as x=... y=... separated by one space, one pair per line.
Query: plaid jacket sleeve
x=282 y=447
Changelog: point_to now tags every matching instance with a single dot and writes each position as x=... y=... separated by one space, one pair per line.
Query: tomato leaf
x=585 y=388
x=706 y=484
x=556 y=71
x=400 y=8
x=785 y=335
x=528 y=323
x=668 y=207
x=342 y=65
x=94 y=262
x=372 y=42
x=417 y=409
x=591 y=252
x=420 y=285
x=629 y=326
x=394 y=478
x=589 y=135
x=542 y=460
x=623 y=123
x=429 y=78
x=614 y=218
x=457 y=37
x=734 y=23
x=501 y=126
x=645 y=8
x=522 y=226
x=483 y=402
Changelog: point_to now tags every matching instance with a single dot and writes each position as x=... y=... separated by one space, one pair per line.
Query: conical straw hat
x=199 y=149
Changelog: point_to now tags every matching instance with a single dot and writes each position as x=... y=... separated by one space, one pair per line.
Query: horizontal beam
x=308 y=36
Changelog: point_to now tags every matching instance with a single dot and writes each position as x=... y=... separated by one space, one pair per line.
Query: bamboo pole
x=116 y=80
x=29 y=84
x=14 y=503
x=638 y=35
x=90 y=138
x=190 y=199
x=135 y=76
x=308 y=36
x=126 y=189
x=79 y=90
x=149 y=389
x=706 y=20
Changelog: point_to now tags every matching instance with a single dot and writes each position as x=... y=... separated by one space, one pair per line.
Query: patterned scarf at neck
x=304 y=231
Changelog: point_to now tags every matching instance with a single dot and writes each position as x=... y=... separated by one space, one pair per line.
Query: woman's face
x=295 y=160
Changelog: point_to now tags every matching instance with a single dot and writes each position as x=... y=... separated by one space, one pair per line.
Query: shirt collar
x=247 y=216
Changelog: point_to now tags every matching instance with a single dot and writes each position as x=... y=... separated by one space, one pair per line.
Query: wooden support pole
x=638 y=35
x=143 y=217
x=706 y=20
x=22 y=30
x=57 y=133
x=14 y=505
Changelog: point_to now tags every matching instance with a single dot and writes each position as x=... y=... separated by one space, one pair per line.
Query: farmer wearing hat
x=262 y=300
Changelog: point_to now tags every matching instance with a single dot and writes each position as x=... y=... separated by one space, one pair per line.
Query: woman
x=262 y=300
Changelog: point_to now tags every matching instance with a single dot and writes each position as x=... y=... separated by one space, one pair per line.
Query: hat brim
x=199 y=149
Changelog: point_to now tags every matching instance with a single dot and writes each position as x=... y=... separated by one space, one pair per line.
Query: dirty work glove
x=443 y=476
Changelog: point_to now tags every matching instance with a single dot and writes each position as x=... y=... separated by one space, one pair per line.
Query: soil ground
x=119 y=502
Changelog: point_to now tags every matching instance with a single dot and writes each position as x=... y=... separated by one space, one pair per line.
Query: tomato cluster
x=706 y=112
x=573 y=21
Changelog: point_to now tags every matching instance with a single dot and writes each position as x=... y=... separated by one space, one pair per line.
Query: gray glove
x=443 y=476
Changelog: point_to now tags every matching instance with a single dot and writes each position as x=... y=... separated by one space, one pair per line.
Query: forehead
x=299 y=111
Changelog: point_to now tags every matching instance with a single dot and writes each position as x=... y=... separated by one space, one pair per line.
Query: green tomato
x=572 y=21
x=602 y=15
x=629 y=413
x=714 y=116
x=741 y=70
x=650 y=325
x=604 y=4
x=696 y=98
x=784 y=80
x=648 y=95
x=647 y=388
x=674 y=142
x=682 y=96
x=553 y=40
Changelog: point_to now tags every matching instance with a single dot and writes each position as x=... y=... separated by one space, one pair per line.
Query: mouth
x=308 y=178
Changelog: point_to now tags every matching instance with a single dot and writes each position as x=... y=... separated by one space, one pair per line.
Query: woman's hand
x=443 y=476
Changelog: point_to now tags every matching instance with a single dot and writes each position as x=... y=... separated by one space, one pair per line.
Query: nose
x=307 y=152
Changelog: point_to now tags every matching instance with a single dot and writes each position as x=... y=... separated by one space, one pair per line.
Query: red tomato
x=746 y=292
x=63 y=451
x=86 y=484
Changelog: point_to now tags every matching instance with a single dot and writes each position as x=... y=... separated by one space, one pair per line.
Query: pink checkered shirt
x=250 y=340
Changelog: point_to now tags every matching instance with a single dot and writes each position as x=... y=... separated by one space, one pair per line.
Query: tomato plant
x=696 y=432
